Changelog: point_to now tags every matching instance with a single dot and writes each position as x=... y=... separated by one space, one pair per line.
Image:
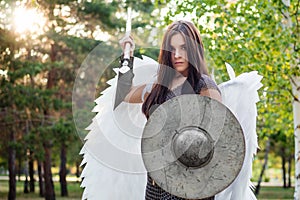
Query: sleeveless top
x=153 y=191
x=204 y=83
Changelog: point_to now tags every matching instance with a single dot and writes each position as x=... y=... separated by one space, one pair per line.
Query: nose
x=177 y=53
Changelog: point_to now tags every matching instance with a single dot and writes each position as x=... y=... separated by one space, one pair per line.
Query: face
x=179 y=54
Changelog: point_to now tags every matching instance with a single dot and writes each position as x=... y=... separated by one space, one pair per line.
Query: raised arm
x=135 y=94
x=138 y=94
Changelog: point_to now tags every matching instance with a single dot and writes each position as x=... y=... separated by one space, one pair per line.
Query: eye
x=183 y=47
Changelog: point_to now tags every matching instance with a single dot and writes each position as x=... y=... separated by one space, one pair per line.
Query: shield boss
x=193 y=146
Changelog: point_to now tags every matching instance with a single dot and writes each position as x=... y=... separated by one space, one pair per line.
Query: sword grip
x=127 y=50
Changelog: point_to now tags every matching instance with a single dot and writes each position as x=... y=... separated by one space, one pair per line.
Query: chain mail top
x=153 y=191
x=204 y=83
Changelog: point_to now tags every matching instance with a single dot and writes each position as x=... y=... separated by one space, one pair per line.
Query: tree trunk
x=19 y=168
x=26 y=190
x=77 y=170
x=26 y=184
x=296 y=110
x=264 y=167
x=31 y=172
x=290 y=171
x=283 y=161
x=12 y=167
x=295 y=82
x=41 y=182
x=49 y=186
x=63 y=170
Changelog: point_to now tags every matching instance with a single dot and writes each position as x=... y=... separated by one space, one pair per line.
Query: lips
x=178 y=63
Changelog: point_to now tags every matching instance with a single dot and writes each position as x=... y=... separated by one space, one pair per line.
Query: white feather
x=230 y=71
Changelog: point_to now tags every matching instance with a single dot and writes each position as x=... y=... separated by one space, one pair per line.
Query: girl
x=182 y=71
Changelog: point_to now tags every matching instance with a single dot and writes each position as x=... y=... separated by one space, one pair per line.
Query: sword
x=125 y=71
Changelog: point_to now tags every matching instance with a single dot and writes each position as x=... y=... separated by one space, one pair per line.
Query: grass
x=277 y=193
x=271 y=193
x=74 y=191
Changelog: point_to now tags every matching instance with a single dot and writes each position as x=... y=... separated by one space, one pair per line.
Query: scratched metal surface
x=222 y=128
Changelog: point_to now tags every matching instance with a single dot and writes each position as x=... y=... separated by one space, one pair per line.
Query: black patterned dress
x=153 y=191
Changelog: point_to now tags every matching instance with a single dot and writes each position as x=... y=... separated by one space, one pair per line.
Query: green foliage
x=63 y=129
x=102 y=11
x=34 y=142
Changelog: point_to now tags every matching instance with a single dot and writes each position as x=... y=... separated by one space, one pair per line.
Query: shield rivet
x=193 y=146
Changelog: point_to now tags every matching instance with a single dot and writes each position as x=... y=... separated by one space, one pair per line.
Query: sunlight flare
x=28 y=20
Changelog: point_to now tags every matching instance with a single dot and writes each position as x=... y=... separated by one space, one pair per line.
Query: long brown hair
x=166 y=72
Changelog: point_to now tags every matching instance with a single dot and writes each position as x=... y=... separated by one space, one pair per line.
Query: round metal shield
x=193 y=146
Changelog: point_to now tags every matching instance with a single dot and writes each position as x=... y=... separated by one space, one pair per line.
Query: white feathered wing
x=112 y=152
x=240 y=95
x=114 y=168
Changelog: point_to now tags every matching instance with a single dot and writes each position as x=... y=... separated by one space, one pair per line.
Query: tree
x=9 y=104
x=65 y=137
